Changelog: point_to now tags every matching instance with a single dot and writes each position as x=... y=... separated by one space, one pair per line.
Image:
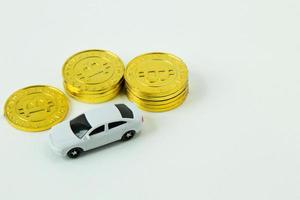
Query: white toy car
x=96 y=128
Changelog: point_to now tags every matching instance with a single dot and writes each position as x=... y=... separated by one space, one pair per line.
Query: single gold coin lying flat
x=156 y=73
x=36 y=108
x=92 y=73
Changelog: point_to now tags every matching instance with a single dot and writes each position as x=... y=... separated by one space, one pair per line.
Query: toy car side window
x=97 y=130
x=115 y=124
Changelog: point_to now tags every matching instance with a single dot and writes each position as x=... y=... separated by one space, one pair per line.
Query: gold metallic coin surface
x=107 y=90
x=155 y=97
x=158 y=102
x=160 y=108
x=156 y=73
x=95 y=98
x=93 y=70
x=36 y=108
x=156 y=82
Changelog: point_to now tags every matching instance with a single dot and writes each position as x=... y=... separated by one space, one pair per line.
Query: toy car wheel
x=74 y=153
x=128 y=135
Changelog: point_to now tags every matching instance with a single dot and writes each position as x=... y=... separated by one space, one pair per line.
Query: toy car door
x=97 y=137
x=116 y=130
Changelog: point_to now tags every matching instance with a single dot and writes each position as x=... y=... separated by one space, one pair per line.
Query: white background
x=237 y=136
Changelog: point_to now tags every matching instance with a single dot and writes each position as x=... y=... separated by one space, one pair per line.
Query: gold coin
x=93 y=70
x=160 y=108
x=155 y=97
x=82 y=92
x=36 y=108
x=156 y=102
x=95 y=98
x=156 y=73
x=156 y=82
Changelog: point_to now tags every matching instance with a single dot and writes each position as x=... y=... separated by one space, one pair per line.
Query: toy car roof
x=105 y=114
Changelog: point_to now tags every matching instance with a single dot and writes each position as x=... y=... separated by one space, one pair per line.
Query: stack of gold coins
x=156 y=82
x=93 y=76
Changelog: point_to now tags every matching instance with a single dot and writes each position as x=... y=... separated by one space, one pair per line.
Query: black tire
x=74 y=153
x=128 y=135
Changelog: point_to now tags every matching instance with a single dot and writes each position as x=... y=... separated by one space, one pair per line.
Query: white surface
x=236 y=137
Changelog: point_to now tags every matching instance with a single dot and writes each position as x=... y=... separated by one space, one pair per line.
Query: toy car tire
x=128 y=135
x=74 y=153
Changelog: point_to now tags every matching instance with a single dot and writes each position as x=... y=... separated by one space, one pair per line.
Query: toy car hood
x=61 y=135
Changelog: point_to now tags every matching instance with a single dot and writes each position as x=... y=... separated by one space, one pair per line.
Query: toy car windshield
x=80 y=126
